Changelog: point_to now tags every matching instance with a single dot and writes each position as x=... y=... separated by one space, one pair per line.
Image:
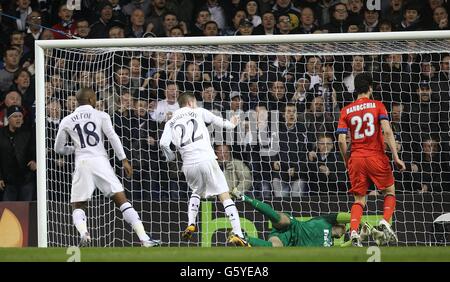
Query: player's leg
x=382 y=176
x=194 y=204
x=388 y=210
x=195 y=179
x=132 y=218
x=106 y=180
x=237 y=238
x=279 y=220
x=80 y=222
x=82 y=189
x=273 y=241
x=357 y=171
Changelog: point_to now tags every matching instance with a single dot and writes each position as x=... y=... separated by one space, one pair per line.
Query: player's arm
x=114 y=139
x=165 y=141
x=343 y=147
x=337 y=218
x=61 y=146
x=209 y=117
x=390 y=140
x=342 y=137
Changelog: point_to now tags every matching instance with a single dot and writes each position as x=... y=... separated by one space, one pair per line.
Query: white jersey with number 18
x=86 y=127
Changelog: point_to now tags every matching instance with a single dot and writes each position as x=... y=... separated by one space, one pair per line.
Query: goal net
x=288 y=92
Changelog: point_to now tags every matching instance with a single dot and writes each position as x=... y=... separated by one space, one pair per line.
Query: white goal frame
x=42 y=45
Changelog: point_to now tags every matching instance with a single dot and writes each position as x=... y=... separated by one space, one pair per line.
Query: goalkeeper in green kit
x=289 y=232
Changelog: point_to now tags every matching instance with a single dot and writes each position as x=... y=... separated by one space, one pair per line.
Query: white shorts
x=206 y=179
x=92 y=173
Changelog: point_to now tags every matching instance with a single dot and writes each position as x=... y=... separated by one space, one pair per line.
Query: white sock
x=194 y=203
x=232 y=213
x=132 y=218
x=79 y=220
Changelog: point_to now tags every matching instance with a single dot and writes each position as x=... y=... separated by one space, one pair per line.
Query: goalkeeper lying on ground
x=316 y=232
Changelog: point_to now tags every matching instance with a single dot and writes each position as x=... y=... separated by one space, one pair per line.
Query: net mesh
x=284 y=152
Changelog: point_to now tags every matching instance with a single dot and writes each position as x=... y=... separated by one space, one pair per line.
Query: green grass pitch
x=230 y=254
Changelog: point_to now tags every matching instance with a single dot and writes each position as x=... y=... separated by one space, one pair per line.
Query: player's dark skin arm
x=390 y=140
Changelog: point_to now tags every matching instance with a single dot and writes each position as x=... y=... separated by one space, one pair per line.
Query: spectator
x=301 y=93
x=339 y=20
x=193 y=78
x=209 y=99
x=424 y=111
x=116 y=32
x=286 y=7
x=440 y=19
x=18 y=159
x=256 y=94
x=325 y=9
x=82 y=29
x=22 y=11
x=221 y=75
x=357 y=67
x=253 y=13
x=277 y=97
x=169 y=21
x=284 y=25
x=430 y=166
x=12 y=98
x=105 y=91
x=238 y=16
x=385 y=26
x=144 y=135
x=411 y=18
x=236 y=173
x=370 y=22
x=101 y=28
x=257 y=152
x=211 y=29
x=316 y=120
x=66 y=25
x=70 y=104
x=289 y=165
x=122 y=80
x=176 y=31
x=245 y=27
x=325 y=169
x=137 y=21
x=34 y=30
x=313 y=71
x=355 y=10
x=217 y=11
x=307 y=21
x=24 y=85
x=428 y=10
x=117 y=13
x=203 y=16
x=144 y=6
x=395 y=13
x=165 y=108
x=11 y=59
x=267 y=27
x=136 y=79
x=59 y=180
x=395 y=79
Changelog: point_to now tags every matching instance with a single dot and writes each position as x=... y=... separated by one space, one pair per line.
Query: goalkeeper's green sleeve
x=343 y=218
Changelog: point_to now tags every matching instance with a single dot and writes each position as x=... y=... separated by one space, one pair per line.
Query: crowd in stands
x=291 y=152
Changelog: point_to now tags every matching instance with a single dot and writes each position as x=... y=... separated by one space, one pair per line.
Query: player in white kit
x=187 y=131
x=86 y=127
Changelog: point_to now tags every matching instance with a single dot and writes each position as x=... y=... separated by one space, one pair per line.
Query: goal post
x=106 y=51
